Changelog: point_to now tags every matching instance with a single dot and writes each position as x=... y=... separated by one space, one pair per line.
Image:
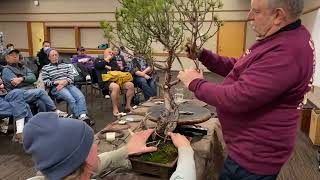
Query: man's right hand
x=61 y=82
x=59 y=87
x=179 y=140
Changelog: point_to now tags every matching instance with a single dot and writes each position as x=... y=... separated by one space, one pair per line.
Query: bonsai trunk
x=169 y=105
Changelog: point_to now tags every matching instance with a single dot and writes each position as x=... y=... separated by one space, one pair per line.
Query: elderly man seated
x=17 y=76
x=59 y=77
x=112 y=63
x=13 y=104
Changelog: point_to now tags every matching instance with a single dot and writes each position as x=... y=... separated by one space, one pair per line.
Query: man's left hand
x=137 y=143
x=16 y=81
x=188 y=75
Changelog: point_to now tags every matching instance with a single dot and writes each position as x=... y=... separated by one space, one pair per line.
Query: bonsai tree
x=171 y=23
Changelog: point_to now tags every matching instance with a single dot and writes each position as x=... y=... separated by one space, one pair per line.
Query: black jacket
x=43 y=58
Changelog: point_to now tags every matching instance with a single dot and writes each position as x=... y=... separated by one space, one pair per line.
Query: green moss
x=166 y=153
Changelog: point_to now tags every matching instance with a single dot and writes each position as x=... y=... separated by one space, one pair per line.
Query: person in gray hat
x=13 y=104
x=18 y=76
x=64 y=149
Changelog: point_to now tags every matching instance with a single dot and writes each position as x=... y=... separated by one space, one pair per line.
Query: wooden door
x=37 y=31
x=231 y=39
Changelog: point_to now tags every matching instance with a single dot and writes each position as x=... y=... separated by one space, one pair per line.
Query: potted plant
x=172 y=23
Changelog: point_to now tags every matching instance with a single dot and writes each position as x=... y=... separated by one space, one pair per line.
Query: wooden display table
x=209 y=151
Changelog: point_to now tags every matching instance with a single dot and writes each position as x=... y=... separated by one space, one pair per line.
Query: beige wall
x=310 y=4
x=84 y=10
x=88 y=13
x=15 y=33
x=312 y=22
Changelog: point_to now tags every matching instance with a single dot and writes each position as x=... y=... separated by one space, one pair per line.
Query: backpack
x=77 y=75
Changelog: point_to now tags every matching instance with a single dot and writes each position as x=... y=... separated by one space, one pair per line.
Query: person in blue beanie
x=64 y=149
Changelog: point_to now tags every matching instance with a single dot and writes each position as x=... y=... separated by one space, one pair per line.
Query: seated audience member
x=143 y=78
x=76 y=155
x=42 y=56
x=119 y=59
x=59 y=77
x=110 y=63
x=13 y=104
x=85 y=63
x=17 y=76
x=11 y=46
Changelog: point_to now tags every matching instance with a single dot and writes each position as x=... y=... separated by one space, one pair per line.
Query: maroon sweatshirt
x=258 y=99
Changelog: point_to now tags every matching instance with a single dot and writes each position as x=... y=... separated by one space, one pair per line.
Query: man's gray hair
x=293 y=7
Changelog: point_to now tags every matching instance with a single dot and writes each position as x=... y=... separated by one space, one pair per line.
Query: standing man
x=258 y=99
x=42 y=56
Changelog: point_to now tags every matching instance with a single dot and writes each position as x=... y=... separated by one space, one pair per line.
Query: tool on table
x=191 y=130
x=186 y=112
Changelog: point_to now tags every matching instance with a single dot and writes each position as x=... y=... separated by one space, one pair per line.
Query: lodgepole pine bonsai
x=171 y=23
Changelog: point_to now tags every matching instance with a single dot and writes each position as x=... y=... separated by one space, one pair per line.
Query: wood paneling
x=30 y=38
x=77 y=37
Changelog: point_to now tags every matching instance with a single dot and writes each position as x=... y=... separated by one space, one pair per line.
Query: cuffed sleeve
x=114 y=159
x=259 y=84
x=186 y=168
x=217 y=64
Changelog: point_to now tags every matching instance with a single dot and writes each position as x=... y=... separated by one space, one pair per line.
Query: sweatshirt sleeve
x=46 y=78
x=125 y=65
x=114 y=159
x=70 y=76
x=114 y=65
x=100 y=64
x=7 y=75
x=74 y=60
x=260 y=83
x=186 y=168
x=30 y=77
x=217 y=64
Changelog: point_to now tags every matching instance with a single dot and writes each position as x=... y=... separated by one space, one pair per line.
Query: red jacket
x=258 y=99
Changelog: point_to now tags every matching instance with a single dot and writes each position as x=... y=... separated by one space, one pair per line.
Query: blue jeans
x=74 y=98
x=148 y=86
x=41 y=98
x=13 y=104
x=233 y=171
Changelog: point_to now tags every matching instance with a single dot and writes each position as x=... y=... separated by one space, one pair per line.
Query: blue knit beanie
x=48 y=51
x=58 y=146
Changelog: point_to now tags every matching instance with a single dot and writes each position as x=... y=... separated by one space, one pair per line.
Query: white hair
x=293 y=7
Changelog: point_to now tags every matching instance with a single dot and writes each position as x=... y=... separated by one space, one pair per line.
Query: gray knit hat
x=9 y=51
x=57 y=145
x=48 y=51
